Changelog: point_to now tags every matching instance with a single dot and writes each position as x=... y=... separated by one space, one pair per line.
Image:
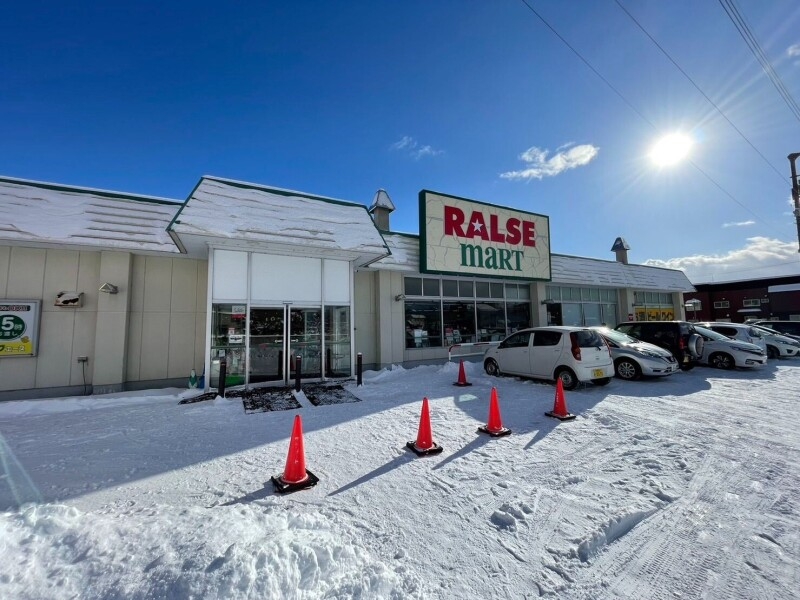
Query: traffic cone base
x=462 y=376
x=495 y=432
x=434 y=449
x=560 y=405
x=282 y=486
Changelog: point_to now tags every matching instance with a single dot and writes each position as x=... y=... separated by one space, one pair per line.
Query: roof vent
x=620 y=248
x=381 y=207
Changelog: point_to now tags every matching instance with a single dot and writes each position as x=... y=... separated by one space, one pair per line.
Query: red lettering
x=528 y=233
x=494 y=232
x=477 y=226
x=514 y=235
x=453 y=221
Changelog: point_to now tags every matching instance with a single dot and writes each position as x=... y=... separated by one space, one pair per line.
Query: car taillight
x=576 y=349
x=681 y=343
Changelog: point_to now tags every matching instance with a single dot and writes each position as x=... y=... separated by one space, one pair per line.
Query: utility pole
x=795 y=192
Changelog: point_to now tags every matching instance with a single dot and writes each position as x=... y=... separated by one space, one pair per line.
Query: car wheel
x=773 y=352
x=491 y=367
x=720 y=360
x=687 y=366
x=569 y=381
x=696 y=343
x=627 y=369
x=601 y=381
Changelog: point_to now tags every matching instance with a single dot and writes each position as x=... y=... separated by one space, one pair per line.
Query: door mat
x=323 y=395
x=265 y=399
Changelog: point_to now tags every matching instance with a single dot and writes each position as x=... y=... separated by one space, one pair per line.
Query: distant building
x=736 y=301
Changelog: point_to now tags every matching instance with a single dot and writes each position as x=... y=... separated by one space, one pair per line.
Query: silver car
x=778 y=345
x=634 y=358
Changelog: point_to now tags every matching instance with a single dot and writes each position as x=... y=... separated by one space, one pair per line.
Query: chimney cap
x=620 y=244
x=382 y=200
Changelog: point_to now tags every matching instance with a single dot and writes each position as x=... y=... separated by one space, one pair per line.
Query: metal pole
x=223 y=373
x=297 y=362
x=359 y=364
x=795 y=193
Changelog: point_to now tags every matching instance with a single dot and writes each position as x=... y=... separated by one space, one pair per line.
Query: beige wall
x=166 y=330
x=153 y=329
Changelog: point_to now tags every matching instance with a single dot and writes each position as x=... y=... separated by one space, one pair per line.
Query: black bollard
x=223 y=373
x=297 y=361
x=359 y=366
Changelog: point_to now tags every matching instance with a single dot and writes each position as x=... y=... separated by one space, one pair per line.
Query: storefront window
x=423 y=324
x=459 y=322
x=228 y=328
x=337 y=341
x=518 y=316
x=491 y=321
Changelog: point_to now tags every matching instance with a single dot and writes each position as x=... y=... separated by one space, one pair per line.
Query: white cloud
x=761 y=257
x=414 y=150
x=540 y=166
x=793 y=50
x=739 y=224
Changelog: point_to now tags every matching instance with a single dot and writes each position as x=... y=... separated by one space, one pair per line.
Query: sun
x=671 y=149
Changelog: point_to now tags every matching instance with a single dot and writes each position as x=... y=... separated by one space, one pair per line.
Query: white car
x=738 y=331
x=724 y=353
x=778 y=345
x=572 y=354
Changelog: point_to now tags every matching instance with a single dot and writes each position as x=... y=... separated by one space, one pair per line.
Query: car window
x=632 y=330
x=546 y=338
x=518 y=340
x=753 y=332
x=619 y=337
x=729 y=331
x=588 y=338
x=712 y=335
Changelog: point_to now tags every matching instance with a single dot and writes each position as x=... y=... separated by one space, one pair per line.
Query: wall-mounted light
x=108 y=288
x=400 y=297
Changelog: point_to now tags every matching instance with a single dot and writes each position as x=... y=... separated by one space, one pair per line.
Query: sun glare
x=671 y=149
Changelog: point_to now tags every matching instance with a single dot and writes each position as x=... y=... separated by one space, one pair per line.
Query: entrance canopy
x=246 y=216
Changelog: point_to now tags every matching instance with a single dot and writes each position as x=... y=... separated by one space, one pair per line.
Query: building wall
x=152 y=330
x=167 y=323
x=365 y=317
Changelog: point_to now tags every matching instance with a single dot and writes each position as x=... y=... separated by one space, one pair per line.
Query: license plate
x=597 y=373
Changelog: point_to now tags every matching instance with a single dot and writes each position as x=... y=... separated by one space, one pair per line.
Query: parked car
x=724 y=353
x=787 y=328
x=778 y=345
x=679 y=337
x=738 y=331
x=572 y=354
x=634 y=358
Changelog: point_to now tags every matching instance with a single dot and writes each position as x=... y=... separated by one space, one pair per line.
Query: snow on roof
x=788 y=287
x=566 y=270
x=245 y=212
x=46 y=213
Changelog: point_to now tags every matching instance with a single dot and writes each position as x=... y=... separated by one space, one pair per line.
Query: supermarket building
x=104 y=291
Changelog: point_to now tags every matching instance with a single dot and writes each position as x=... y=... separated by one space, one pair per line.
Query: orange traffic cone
x=462 y=376
x=495 y=426
x=295 y=476
x=560 y=406
x=424 y=444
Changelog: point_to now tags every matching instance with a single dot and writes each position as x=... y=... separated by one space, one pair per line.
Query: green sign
x=19 y=327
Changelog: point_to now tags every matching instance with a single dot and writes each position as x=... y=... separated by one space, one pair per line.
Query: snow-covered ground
x=682 y=487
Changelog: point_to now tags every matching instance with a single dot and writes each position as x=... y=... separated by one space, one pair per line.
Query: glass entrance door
x=278 y=336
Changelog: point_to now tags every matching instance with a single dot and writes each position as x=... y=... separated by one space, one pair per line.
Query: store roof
x=566 y=270
x=238 y=214
x=46 y=214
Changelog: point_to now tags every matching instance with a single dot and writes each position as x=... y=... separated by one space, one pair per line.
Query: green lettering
x=491 y=258
x=505 y=257
x=470 y=255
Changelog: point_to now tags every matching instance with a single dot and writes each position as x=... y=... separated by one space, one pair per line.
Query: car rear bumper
x=596 y=371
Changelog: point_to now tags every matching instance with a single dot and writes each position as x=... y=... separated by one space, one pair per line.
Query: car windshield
x=766 y=329
x=618 y=336
x=711 y=334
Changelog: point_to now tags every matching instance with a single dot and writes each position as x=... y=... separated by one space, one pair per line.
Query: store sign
x=19 y=327
x=465 y=237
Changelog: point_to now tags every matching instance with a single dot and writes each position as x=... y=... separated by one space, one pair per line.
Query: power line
x=634 y=109
x=750 y=39
x=697 y=87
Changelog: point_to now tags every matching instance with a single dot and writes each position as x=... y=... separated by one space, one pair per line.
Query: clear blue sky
x=478 y=99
